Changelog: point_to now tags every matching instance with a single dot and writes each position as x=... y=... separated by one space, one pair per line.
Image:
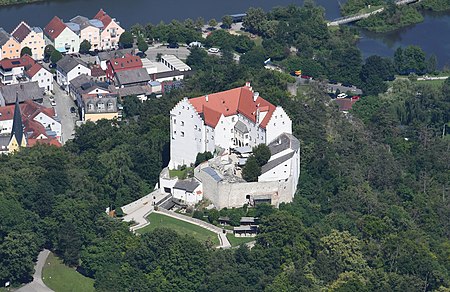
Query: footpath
x=38 y=285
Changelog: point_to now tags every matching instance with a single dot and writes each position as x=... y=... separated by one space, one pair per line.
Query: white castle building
x=229 y=124
x=227 y=119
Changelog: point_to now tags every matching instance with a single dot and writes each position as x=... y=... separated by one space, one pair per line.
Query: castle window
x=174 y=121
x=231 y=130
x=182 y=123
x=179 y=113
x=182 y=134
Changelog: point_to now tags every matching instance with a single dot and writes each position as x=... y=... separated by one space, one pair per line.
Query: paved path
x=224 y=243
x=138 y=210
x=38 y=285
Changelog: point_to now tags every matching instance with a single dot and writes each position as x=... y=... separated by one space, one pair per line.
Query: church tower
x=18 y=138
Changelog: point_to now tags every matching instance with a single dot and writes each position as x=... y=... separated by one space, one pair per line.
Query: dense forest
x=373 y=203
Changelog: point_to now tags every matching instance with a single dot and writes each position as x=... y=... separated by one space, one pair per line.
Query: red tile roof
x=50 y=141
x=33 y=70
x=24 y=61
x=97 y=71
x=21 y=31
x=126 y=62
x=103 y=17
x=6 y=112
x=230 y=102
x=31 y=109
x=345 y=104
x=54 y=28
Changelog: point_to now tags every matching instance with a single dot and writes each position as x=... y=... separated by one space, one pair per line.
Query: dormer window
x=110 y=105
x=90 y=106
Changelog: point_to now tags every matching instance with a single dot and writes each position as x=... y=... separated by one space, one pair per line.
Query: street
x=63 y=104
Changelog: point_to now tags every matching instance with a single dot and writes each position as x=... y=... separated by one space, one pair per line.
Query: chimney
x=206 y=98
x=247 y=84
x=255 y=95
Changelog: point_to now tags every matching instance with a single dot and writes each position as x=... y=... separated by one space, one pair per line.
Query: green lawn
x=62 y=278
x=181 y=174
x=181 y=227
x=235 y=241
x=435 y=83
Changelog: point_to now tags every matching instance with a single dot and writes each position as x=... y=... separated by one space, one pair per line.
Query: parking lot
x=181 y=52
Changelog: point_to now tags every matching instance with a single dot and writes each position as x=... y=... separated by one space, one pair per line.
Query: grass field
x=61 y=278
x=181 y=174
x=235 y=241
x=434 y=83
x=181 y=227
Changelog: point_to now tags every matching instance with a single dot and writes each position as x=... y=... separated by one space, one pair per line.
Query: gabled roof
x=34 y=69
x=54 y=28
x=125 y=62
x=25 y=91
x=4 y=36
x=132 y=76
x=103 y=17
x=187 y=185
x=49 y=141
x=283 y=142
x=67 y=63
x=21 y=31
x=230 y=102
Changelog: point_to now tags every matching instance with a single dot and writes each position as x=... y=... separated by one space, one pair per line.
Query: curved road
x=38 y=285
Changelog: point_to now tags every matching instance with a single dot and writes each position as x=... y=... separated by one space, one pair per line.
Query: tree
x=227 y=21
x=142 y=44
x=202 y=157
x=199 y=23
x=126 y=40
x=55 y=56
x=212 y=23
x=262 y=154
x=251 y=170
x=48 y=51
x=85 y=47
x=255 y=20
x=432 y=64
x=26 y=51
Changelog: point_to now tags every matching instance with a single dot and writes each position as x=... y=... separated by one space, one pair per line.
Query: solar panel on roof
x=212 y=173
x=15 y=62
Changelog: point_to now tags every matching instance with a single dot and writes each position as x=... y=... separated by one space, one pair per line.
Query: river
x=431 y=35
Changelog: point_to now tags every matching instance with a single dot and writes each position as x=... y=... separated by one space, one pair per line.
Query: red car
x=306 y=77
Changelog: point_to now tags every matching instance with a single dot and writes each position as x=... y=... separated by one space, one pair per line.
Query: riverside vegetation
x=370 y=214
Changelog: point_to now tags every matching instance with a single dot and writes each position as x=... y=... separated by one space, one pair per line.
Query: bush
x=198 y=214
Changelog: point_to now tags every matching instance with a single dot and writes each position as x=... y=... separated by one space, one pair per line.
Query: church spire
x=17 y=128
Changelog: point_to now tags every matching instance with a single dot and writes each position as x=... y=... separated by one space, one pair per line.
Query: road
x=63 y=104
x=38 y=285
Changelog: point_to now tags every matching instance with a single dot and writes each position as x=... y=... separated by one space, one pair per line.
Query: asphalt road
x=37 y=285
x=63 y=104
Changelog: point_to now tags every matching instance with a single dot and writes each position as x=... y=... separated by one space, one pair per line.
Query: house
x=188 y=191
x=245 y=231
x=31 y=37
x=346 y=104
x=168 y=76
x=132 y=78
x=9 y=46
x=111 y=31
x=98 y=73
x=228 y=119
x=12 y=71
x=22 y=91
x=140 y=91
x=119 y=64
x=49 y=125
x=43 y=77
x=103 y=57
x=87 y=29
x=96 y=100
x=61 y=36
x=68 y=68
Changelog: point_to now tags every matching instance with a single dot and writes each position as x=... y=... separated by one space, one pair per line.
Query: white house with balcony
x=233 y=118
x=61 y=36
x=69 y=68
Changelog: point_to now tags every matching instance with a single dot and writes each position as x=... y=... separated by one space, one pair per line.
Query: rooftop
x=175 y=62
x=25 y=91
x=54 y=28
x=21 y=31
x=68 y=62
x=132 y=76
x=187 y=185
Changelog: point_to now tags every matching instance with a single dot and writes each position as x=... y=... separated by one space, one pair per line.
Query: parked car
x=52 y=66
x=173 y=46
x=342 y=95
x=73 y=110
x=46 y=60
x=53 y=103
x=213 y=50
x=306 y=77
x=332 y=82
x=141 y=55
x=347 y=84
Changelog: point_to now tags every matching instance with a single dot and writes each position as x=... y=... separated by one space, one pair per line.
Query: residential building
x=123 y=63
x=22 y=91
x=96 y=100
x=88 y=29
x=98 y=73
x=228 y=119
x=9 y=46
x=69 y=68
x=103 y=57
x=111 y=31
x=43 y=77
x=61 y=36
x=40 y=122
x=188 y=191
x=12 y=71
x=31 y=37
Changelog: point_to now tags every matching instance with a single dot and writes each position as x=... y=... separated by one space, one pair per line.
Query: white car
x=213 y=50
x=53 y=102
x=342 y=95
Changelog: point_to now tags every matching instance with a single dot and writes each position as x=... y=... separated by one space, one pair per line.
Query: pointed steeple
x=17 y=128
